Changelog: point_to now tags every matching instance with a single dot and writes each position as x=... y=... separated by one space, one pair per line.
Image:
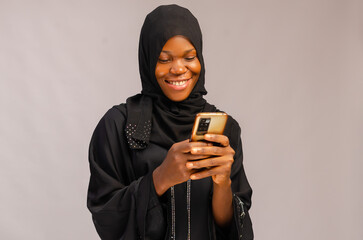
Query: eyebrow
x=187 y=51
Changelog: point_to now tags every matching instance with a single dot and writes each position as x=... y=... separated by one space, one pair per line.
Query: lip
x=172 y=83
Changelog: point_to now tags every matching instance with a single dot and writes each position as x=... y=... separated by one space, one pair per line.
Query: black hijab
x=151 y=115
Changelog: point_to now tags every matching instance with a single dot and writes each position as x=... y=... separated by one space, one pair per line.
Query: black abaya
x=122 y=197
x=132 y=139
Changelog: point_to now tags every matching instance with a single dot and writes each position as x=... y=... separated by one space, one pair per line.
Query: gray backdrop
x=290 y=72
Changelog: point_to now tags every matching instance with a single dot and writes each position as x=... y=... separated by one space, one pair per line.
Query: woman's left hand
x=218 y=166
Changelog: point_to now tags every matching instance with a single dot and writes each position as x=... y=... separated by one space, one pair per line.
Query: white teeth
x=178 y=83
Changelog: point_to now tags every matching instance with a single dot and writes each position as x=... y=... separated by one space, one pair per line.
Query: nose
x=178 y=67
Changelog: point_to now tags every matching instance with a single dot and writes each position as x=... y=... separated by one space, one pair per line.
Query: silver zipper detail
x=172 y=213
x=189 y=183
x=240 y=207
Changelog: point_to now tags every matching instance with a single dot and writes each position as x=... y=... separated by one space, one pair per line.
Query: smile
x=178 y=84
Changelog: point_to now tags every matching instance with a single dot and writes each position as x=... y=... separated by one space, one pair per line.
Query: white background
x=291 y=73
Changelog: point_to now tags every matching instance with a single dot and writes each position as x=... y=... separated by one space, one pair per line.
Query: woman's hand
x=173 y=170
x=219 y=167
x=219 y=163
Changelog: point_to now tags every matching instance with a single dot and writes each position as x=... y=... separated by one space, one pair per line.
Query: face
x=178 y=68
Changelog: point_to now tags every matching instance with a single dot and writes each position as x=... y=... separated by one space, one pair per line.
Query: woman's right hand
x=173 y=170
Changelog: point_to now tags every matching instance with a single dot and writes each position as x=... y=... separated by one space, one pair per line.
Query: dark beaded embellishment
x=141 y=140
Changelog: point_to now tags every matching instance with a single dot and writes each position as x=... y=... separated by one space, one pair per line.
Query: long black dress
x=132 y=139
x=121 y=194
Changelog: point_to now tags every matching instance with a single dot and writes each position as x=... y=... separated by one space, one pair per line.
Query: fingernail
x=208 y=135
x=190 y=165
x=193 y=176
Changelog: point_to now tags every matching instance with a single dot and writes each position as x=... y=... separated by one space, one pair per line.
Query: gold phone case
x=208 y=122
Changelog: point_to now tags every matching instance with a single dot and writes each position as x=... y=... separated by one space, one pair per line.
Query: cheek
x=161 y=71
x=195 y=67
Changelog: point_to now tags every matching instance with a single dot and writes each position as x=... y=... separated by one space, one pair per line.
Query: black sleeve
x=122 y=207
x=241 y=227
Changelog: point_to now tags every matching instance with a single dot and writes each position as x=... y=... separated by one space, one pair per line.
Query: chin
x=177 y=99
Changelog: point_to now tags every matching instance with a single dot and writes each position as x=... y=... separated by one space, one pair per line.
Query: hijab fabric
x=151 y=115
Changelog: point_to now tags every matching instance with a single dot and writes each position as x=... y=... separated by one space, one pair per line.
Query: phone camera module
x=203 y=126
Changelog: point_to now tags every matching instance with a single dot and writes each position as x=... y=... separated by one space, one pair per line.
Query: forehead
x=178 y=44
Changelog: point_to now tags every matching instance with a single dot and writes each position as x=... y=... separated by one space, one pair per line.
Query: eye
x=164 y=60
x=190 y=58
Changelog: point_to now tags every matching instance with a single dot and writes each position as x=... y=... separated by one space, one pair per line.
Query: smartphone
x=208 y=122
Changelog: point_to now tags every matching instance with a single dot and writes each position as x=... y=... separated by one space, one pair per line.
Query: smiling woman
x=148 y=181
x=178 y=68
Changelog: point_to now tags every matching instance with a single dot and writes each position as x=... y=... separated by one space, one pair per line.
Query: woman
x=142 y=162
